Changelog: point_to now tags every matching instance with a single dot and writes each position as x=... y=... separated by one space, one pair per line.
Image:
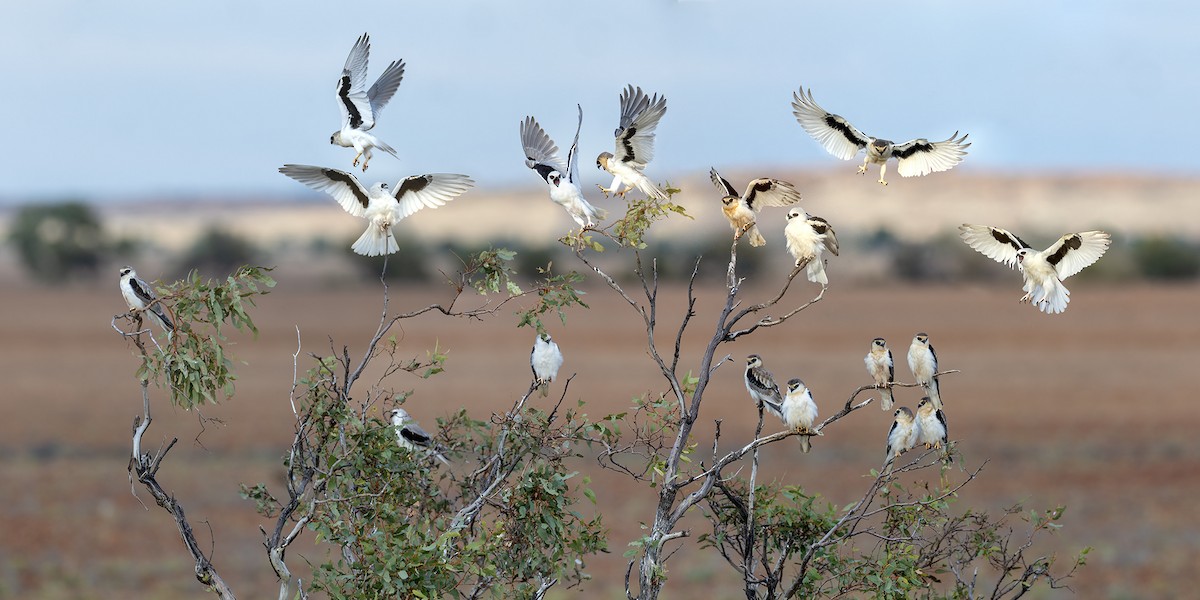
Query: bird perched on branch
x=901 y=437
x=923 y=363
x=545 y=360
x=379 y=204
x=411 y=437
x=635 y=144
x=139 y=296
x=360 y=109
x=808 y=237
x=799 y=411
x=843 y=140
x=1043 y=271
x=882 y=369
x=931 y=427
x=541 y=155
x=762 y=387
x=742 y=211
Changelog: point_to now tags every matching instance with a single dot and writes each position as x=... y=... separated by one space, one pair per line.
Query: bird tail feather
x=386 y=148
x=935 y=395
x=375 y=241
x=806 y=443
x=756 y=238
x=816 y=271
x=885 y=399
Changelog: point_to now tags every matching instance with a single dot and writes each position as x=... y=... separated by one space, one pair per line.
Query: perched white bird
x=882 y=369
x=762 y=387
x=901 y=437
x=742 y=211
x=843 y=140
x=139 y=295
x=545 y=359
x=360 y=109
x=931 y=427
x=379 y=204
x=808 y=237
x=541 y=155
x=799 y=411
x=411 y=437
x=923 y=363
x=635 y=144
x=1042 y=271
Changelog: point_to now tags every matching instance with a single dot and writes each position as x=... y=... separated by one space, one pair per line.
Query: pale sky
x=136 y=98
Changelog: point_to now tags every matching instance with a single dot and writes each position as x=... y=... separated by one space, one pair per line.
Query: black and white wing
x=573 y=153
x=352 y=96
x=994 y=243
x=922 y=157
x=541 y=153
x=384 y=88
x=1075 y=251
x=431 y=190
x=639 y=117
x=829 y=238
x=765 y=191
x=834 y=133
x=343 y=186
x=722 y=184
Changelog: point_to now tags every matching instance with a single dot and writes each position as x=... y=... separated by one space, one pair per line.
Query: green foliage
x=57 y=240
x=630 y=230
x=1166 y=258
x=193 y=363
x=217 y=251
x=555 y=293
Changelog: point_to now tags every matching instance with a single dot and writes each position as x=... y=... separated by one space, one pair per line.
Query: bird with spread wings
x=1044 y=270
x=379 y=204
x=843 y=140
x=742 y=211
x=360 y=108
x=635 y=144
x=541 y=155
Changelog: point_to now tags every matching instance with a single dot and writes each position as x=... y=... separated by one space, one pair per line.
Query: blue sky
x=138 y=98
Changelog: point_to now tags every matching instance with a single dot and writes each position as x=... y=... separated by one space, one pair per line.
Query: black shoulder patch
x=414 y=436
x=414 y=184
x=920 y=146
x=344 y=94
x=544 y=170
x=1013 y=241
x=355 y=188
x=625 y=137
x=839 y=125
x=1071 y=243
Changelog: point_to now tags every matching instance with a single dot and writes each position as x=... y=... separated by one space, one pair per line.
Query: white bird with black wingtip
x=541 y=155
x=742 y=211
x=634 y=144
x=411 y=437
x=808 y=238
x=379 y=204
x=545 y=359
x=139 y=295
x=360 y=108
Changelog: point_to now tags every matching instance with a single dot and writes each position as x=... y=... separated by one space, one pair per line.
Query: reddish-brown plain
x=1093 y=409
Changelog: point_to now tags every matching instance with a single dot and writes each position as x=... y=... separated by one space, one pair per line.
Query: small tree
x=56 y=241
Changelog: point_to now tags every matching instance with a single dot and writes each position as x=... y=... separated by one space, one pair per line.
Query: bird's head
x=880 y=145
x=904 y=414
x=333 y=139
x=730 y=200
x=795 y=212
x=922 y=338
x=399 y=416
x=879 y=343
x=545 y=337
x=382 y=187
x=795 y=385
x=602 y=160
x=554 y=178
x=753 y=361
x=127 y=271
x=1021 y=254
x=923 y=403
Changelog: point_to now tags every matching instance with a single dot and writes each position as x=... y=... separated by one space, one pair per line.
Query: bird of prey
x=138 y=296
x=545 y=359
x=541 y=155
x=742 y=211
x=843 y=140
x=411 y=437
x=902 y=436
x=635 y=144
x=808 y=237
x=762 y=387
x=922 y=361
x=1043 y=271
x=882 y=370
x=379 y=204
x=360 y=109
x=799 y=411
x=931 y=426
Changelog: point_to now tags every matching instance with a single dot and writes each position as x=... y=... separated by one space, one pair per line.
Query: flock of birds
x=808 y=237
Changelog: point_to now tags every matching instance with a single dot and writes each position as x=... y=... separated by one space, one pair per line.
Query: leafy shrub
x=56 y=241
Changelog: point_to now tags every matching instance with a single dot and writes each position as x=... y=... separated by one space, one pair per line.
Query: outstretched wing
x=432 y=190
x=722 y=184
x=573 y=153
x=770 y=192
x=1074 y=251
x=385 y=87
x=922 y=157
x=834 y=133
x=351 y=97
x=639 y=117
x=994 y=243
x=343 y=186
x=541 y=153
